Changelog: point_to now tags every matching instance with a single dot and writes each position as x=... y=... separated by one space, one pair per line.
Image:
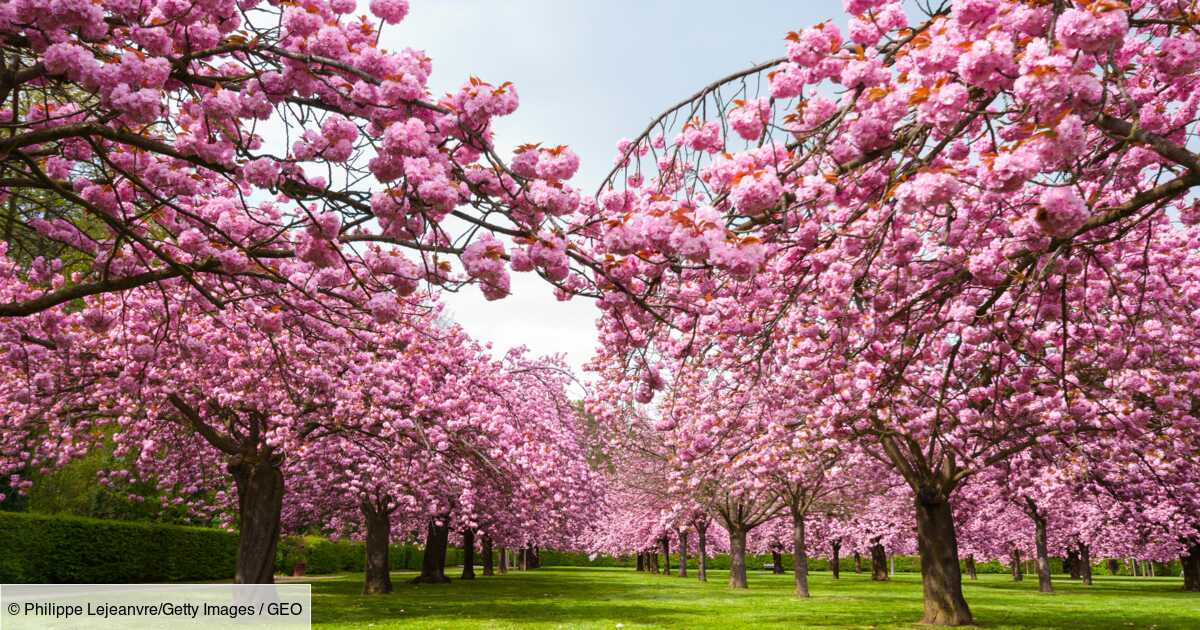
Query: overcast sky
x=588 y=73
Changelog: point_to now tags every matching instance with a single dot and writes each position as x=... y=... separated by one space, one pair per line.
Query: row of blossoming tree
x=952 y=254
x=892 y=288
x=225 y=226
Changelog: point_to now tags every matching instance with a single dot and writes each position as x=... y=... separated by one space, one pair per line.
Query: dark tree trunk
x=937 y=544
x=1015 y=560
x=1040 y=546
x=1191 y=569
x=857 y=562
x=487 y=555
x=1071 y=564
x=1043 y=556
x=702 y=549
x=1113 y=566
x=971 y=568
x=799 y=555
x=468 y=537
x=683 y=544
x=641 y=561
x=260 y=503
x=652 y=561
x=835 y=564
x=879 y=571
x=433 y=561
x=776 y=562
x=666 y=547
x=1085 y=564
x=378 y=519
x=537 y=557
x=1137 y=568
x=737 y=558
x=503 y=553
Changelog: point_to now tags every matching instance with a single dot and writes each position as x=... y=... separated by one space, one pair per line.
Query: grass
x=575 y=597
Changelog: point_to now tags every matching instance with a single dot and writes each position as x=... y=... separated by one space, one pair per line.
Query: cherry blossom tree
x=209 y=142
x=944 y=220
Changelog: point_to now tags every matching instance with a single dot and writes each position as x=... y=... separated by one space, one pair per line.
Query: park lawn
x=577 y=597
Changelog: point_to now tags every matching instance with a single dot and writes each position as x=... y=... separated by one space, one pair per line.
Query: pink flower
x=193 y=242
x=755 y=192
x=1090 y=31
x=384 y=307
x=702 y=136
x=261 y=172
x=811 y=45
x=749 y=117
x=1061 y=211
x=557 y=163
x=787 y=81
x=1178 y=55
x=390 y=11
x=410 y=137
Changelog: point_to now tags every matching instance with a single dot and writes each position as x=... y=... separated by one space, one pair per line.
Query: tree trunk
x=641 y=561
x=378 y=519
x=683 y=544
x=260 y=503
x=525 y=553
x=1137 y=569
x=487 y=555
x=737 y=558
x=702 y=549
x=1191 y=568
x=433 y=561
x=503 y=553
x=1043 y=557
x=857 y=562
x=937 y=544
x=537 y=556
x=799 y=555
x=879 y=571
x=468 y=537
x=835 y=565
x=1085 y=564
x=971 y=568
x=1015 y=560
x=1071 y=564
x=666 y=547
x=776 y=562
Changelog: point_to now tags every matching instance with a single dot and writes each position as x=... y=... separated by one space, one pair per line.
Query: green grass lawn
x=604 y=598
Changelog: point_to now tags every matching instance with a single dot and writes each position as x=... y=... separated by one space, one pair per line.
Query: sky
x=588 y=73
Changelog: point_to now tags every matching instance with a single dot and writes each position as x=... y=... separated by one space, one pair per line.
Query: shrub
x=68 y=549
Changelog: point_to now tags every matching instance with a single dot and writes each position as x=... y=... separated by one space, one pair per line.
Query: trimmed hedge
x=58 y=549
x=904 y=564
x=322 y=556
x=67 y=549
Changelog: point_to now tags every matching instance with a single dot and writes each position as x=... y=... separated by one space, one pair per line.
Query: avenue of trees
x=929 y=285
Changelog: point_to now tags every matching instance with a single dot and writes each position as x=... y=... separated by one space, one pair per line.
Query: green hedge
x=322 y=556
x=37 y=548
x=755 y=562
x=67 y=549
